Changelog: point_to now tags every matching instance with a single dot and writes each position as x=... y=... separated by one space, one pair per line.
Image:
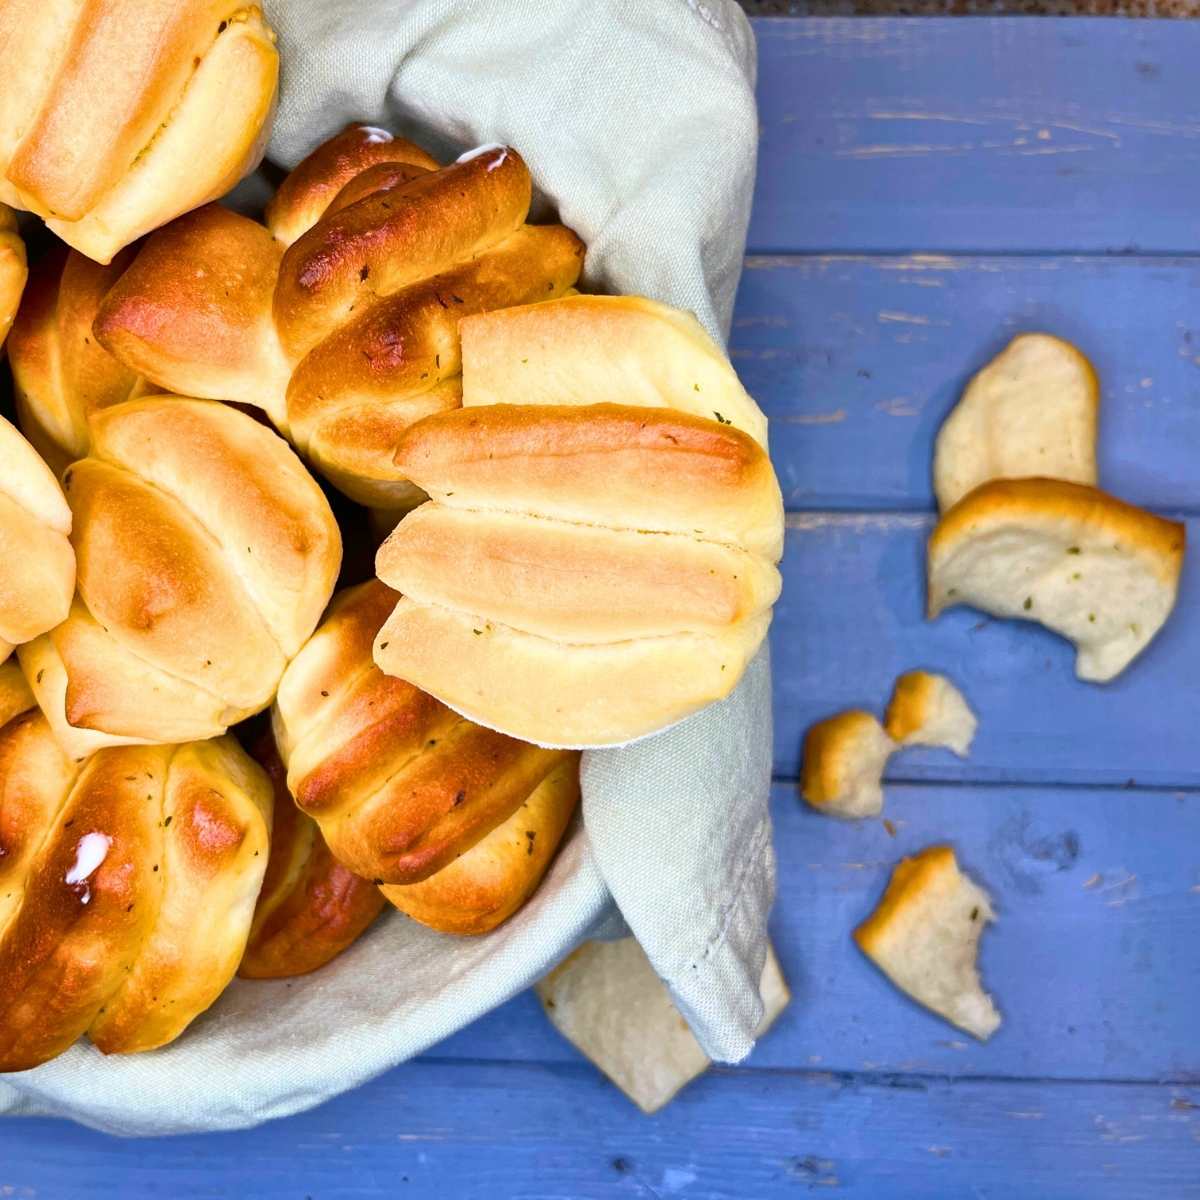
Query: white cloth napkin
x=637 y=119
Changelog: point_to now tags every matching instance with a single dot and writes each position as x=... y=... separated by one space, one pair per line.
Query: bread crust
x=340 y=317
x=310 y=908
x=403 y=788
x=39 y=574
x=61 y=372
x=135 y=893
x=108 y=102
x=207 y=554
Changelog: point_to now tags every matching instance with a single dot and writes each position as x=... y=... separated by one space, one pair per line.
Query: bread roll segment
x=484 y=887
x=35 y=523
x=1032 y=411
x=630 y=468
x=557 y=694
x=575 y=583
x=61 y=372
x=317 y=181
x=1102 y=573
x=203 y=330
x=121 y=114
x=13 y=269
x=638 y=352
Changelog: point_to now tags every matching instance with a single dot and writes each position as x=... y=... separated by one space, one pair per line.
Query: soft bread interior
x=928 y=710
x=844 y=759
x=924 y=936
x=1031 y=411
x=1088 y=566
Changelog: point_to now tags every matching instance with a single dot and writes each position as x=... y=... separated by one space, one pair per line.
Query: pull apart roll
x=127 y=887
x=586 y=572
x=340 y=317
x=206 y=556
x=458 y=824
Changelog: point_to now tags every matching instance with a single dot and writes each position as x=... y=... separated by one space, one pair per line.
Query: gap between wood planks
x=911 y=1081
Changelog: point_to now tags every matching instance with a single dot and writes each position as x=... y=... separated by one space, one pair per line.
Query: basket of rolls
x=390 y=545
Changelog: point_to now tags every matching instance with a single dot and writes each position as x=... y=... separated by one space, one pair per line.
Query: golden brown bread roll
x=117 y=115
x=126 y=891
x=13 y=269
x=311 y=908
x=206 y=555
x=61 y=373
x=587 y=572
x=38 y=575
x=340 y=319
x=460 y=821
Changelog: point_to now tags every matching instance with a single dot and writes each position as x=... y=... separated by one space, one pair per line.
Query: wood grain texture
x=857 y=360
x=533 y=1131
x=1094 y=958
x=938 y=135
x=851 y=619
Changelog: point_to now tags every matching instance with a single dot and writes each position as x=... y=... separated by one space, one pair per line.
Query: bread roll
x=311 y=908
x=206 y=555
x=588 y=572
x=461 y=821
x=13 y=270
x=35 y=524
x=128 y=891
x=340 y=318
x=61 y=373
x=117 y=115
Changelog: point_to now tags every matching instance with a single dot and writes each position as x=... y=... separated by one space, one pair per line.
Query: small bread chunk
x=1088 y=566
x=1030 y=411
x=844 y=758
x=924 y=937
x=607 y=1001
x=928 y=710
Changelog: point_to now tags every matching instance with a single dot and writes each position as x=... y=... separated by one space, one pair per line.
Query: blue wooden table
x=926 y=188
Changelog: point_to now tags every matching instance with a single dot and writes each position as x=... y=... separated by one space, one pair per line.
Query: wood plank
x=1094 y=960
x=526 y=1132
x=857 y=361
x=946 y=135
x=851 y=619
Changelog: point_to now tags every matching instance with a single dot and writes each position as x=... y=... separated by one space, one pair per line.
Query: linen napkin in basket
x=637 y=119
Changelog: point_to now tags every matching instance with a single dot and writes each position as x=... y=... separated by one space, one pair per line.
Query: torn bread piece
x=607 y=1001
x=1031 y=411
x=1101 y=572
x=924 y=936
x=844 y=758
x=928 y=710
